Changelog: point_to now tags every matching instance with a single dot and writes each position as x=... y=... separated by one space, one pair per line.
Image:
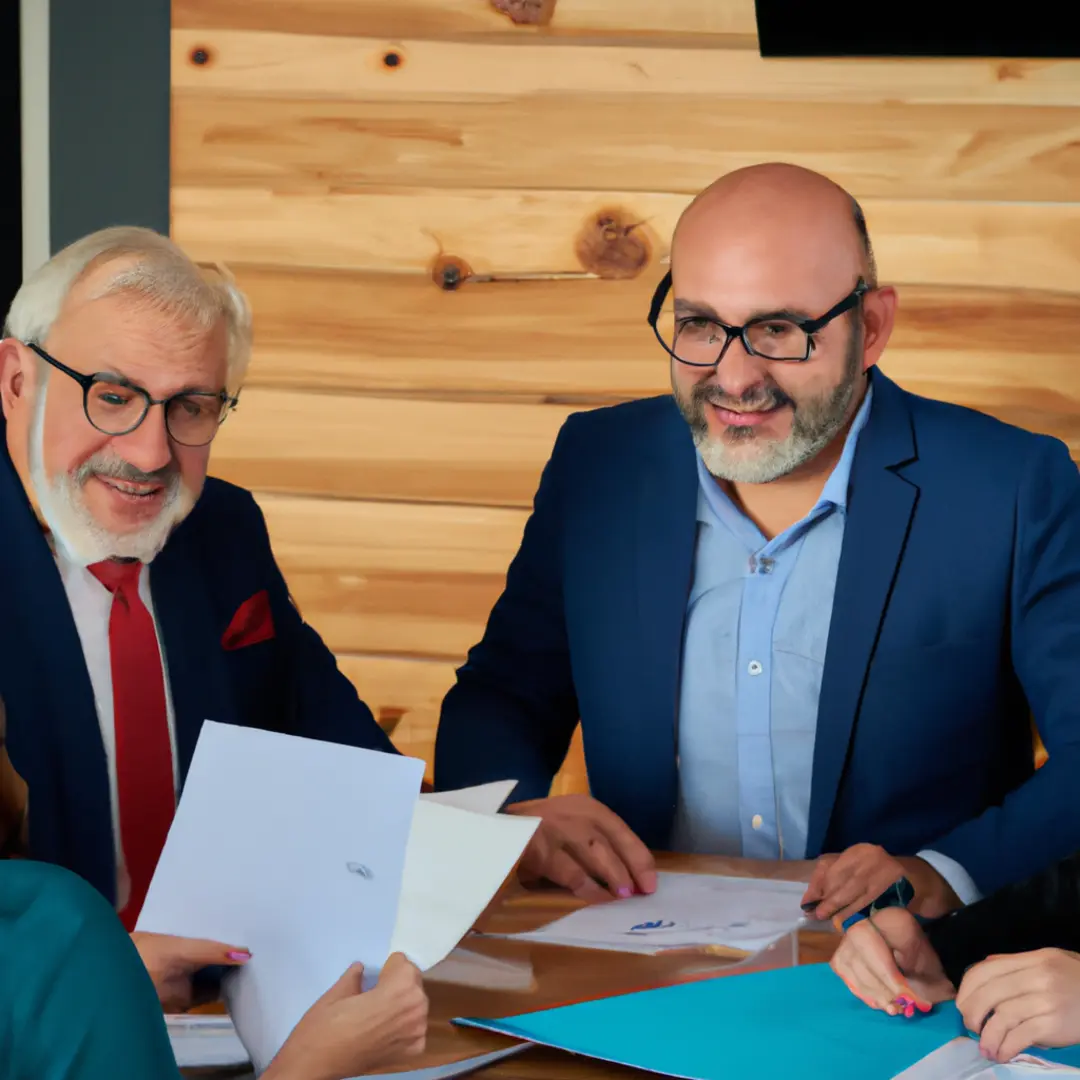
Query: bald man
x=800 y=613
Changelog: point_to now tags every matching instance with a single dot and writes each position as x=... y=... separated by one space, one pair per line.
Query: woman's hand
x=888 y=957
x=1023 y=1000
x=348 y=1032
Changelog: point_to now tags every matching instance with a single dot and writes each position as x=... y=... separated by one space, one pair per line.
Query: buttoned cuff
x=956 y=877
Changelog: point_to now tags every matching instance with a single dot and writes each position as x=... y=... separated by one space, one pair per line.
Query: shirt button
x=756 y=821
x=754 y=667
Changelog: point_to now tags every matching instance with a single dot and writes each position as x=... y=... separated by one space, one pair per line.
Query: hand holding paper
x=172 y=961
x=349 y=1031
x=317 y=856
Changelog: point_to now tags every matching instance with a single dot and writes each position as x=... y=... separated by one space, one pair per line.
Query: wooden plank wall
x=341 y=155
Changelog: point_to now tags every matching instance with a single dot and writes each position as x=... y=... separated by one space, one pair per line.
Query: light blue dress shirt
x=753 y=655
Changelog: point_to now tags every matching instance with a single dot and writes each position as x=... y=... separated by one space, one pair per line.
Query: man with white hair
x=142 y=598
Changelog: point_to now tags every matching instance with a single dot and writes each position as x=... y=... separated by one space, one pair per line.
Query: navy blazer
x=956 y=615
x=218 y=558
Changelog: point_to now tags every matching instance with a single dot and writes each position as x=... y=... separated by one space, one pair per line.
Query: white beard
x=78 y=535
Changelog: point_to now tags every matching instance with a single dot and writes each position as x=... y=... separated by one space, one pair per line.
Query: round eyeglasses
x=701 y=340
x=117 y=407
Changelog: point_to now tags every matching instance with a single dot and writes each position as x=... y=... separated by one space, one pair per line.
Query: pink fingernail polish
x=625 y=891
x=239 y=957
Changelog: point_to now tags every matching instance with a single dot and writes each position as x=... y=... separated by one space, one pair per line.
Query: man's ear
x=15 y=359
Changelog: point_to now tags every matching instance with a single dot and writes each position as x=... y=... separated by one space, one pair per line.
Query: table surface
x=551 y=975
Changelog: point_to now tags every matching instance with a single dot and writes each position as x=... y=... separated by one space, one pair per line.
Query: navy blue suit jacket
x=957 y=608
x=218 y=558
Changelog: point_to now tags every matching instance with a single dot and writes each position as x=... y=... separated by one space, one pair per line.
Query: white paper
x=959 y=1059
x=686 y=911
x=484 y=799
x=292 y=848
x=456 y=862
x=455 y=1068
x=205 y=1041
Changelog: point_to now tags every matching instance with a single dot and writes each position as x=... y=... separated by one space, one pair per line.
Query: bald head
x=776 y=207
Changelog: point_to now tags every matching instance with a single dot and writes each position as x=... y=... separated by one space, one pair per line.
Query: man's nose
x=147 y=447
x=739 y=370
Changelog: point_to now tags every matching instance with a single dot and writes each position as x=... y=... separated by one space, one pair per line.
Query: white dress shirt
x=91 y=604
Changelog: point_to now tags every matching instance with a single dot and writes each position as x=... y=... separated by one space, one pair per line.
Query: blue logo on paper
x=657 y=924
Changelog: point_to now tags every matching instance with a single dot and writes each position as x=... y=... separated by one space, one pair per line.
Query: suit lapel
x=53 y=733
x=880 y=507
x=665 y=535
x=190 y=636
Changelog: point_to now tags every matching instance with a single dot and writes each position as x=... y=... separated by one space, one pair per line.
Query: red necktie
x=144 y=767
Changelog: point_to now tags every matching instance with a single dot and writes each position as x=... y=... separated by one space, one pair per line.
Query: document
x=456 y=862
x=960 y=1059
x=292 y=848
x=686 y=911
x=315 y=856
x=484 y=799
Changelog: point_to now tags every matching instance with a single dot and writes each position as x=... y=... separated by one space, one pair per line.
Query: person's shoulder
x=961 y=436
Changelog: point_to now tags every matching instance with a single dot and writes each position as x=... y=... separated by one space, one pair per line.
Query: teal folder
x=799 y=1022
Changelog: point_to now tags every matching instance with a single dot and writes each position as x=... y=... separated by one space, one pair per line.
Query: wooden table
x=561 y=975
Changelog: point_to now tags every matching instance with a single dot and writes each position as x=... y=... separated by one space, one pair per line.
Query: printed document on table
x=686 y=911
x=292 y=848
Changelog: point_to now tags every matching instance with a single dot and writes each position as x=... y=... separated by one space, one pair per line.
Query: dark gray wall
x=108 y=116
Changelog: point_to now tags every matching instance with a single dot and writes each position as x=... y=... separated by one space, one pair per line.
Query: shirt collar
x=834 y=494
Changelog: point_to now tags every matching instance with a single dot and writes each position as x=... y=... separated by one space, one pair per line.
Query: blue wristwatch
x=899 y=894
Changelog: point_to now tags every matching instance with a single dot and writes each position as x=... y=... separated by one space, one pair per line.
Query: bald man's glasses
x=699 y=340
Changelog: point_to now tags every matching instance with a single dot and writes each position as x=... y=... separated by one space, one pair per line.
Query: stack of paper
x=315 y=856
x=686 y=911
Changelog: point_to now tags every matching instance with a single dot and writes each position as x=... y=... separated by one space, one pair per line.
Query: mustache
x=764 y=396
x=116 y=468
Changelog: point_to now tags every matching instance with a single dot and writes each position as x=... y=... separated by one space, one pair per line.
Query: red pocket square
x=251 y=624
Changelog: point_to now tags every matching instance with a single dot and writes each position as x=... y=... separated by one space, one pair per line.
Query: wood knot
x=526 y=12
x=392 y=58
x=201 y=56
x=610 y=245
x=450 y=272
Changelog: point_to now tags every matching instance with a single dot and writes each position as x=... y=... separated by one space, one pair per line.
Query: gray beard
x=78 y=535
x=741 y=456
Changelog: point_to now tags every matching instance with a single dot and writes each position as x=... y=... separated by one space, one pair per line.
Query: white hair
x=152 y=268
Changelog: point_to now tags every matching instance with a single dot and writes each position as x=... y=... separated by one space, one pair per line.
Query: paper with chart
x=294 y=849
x=686 y=911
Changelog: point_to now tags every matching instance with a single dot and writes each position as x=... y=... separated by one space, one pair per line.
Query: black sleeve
x=1042 y=912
